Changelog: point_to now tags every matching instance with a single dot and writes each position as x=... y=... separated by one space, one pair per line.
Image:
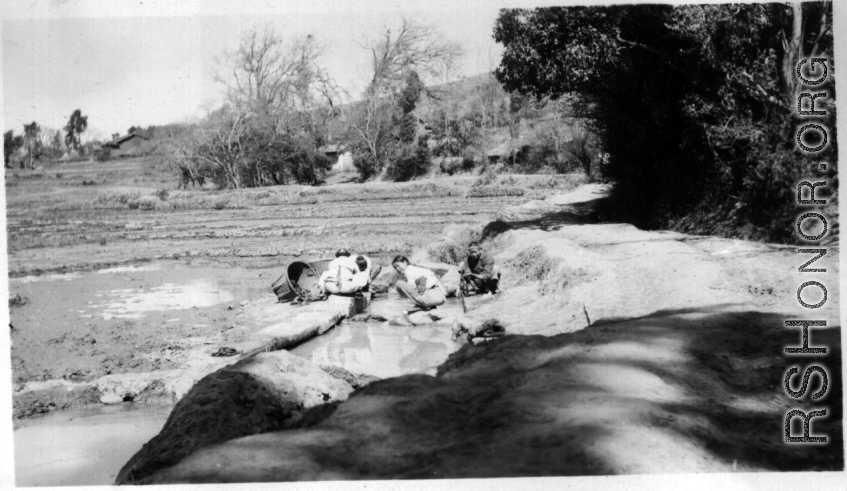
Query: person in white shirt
x=338 y=278
x=421 y=285
x=365 y=272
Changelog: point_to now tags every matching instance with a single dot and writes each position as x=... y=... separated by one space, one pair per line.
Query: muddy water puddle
x=82 y=447
x=133 y=292
x=382 y=349
x=130 y=303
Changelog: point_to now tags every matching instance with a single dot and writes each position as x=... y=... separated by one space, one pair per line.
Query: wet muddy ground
x=83 y=326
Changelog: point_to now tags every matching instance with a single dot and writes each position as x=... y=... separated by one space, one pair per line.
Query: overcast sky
x=125 y=67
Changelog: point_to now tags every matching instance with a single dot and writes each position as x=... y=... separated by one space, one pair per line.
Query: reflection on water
x=46 y=277
x=383 y=350
x=134 y=303
x=133 y=268
x=82 y=447
x=380 y=349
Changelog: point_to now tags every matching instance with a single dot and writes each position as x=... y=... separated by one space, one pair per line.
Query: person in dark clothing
x=479 y=273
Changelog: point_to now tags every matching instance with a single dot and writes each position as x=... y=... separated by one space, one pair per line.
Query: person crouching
x=338 y=278
x=479 y=273
x=421 y=285
x=367 y=271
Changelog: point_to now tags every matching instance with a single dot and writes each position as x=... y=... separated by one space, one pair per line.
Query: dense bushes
x=693 y=104
x=409 y=162
x=238 y=150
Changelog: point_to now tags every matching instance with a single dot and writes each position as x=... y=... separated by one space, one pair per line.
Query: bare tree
x=414 y=46
x=49 y=140
x=488 y=93
x=223 y=148
x=278 y=81
x=370 y=134
x=32 y=143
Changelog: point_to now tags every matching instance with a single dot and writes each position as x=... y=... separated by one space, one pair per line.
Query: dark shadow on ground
x=693 y=390
x=735 y=376
x=545 y=217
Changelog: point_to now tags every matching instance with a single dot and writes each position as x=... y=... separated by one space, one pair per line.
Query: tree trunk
x=792 y=54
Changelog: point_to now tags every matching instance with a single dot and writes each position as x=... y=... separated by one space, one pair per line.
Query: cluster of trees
x=282 y=107
x=36 y=142
x=279 y=105
x=694 y=104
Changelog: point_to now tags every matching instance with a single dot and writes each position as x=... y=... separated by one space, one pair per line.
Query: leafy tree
x=405 y=119
x=408 y=161
x=11 y=143
x=693 y=103
x=77 y=124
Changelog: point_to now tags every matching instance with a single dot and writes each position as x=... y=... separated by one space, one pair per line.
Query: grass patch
x=495 y=191
x=454 y=248
x=22 y=242
x=375 y=191
x=116 y=199
x=536 y=186
x=534 y=265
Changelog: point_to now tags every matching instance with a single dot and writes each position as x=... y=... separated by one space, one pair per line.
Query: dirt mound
x=267 y=392
x=223 y=405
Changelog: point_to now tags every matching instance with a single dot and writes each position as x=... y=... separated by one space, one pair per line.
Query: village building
x=343 y=159
x=131 y=144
